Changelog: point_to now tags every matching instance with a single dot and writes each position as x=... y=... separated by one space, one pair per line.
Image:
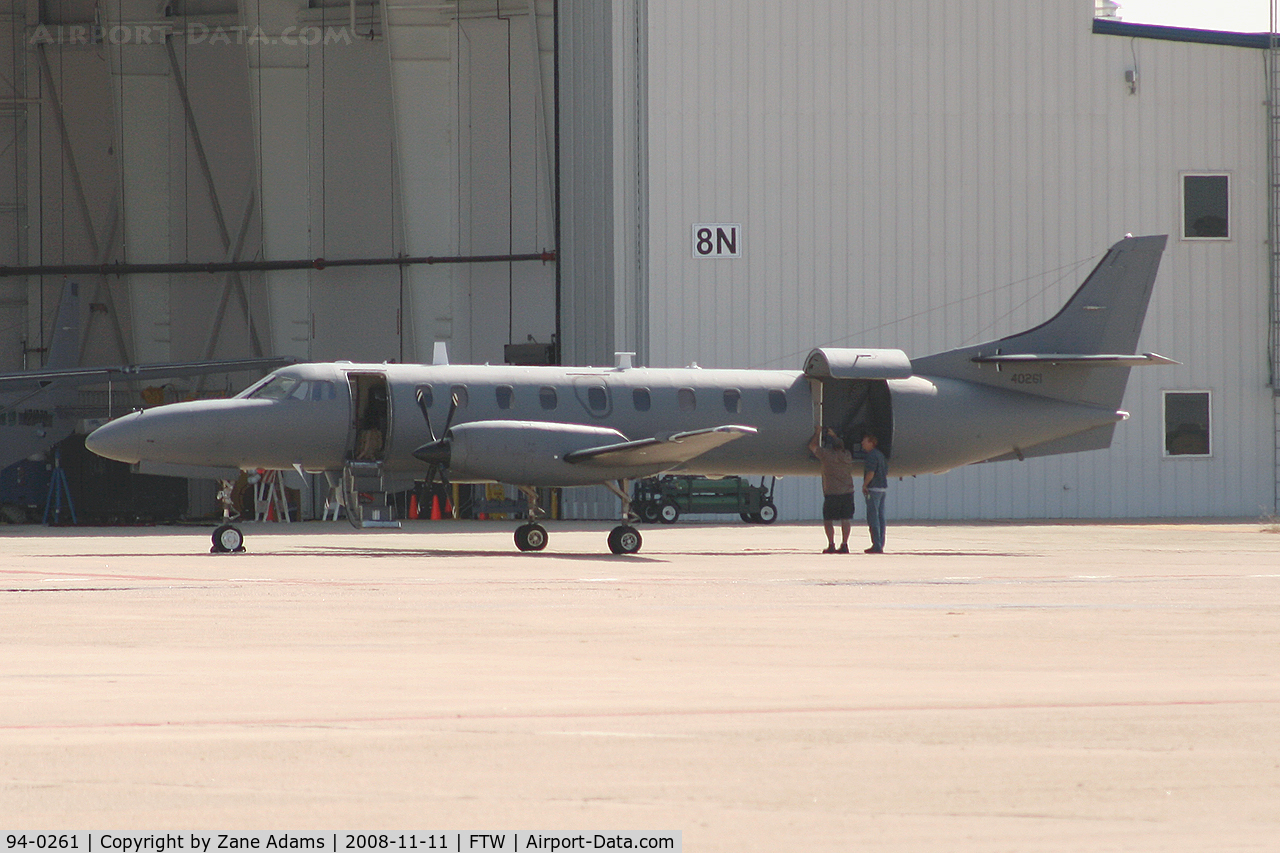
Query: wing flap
x=662 y=451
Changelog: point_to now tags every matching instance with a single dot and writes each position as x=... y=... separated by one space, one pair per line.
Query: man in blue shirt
x=875 y=483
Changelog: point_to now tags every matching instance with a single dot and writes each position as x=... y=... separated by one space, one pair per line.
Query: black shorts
x=837 y=507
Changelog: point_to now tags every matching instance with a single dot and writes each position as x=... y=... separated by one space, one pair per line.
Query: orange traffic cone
x=413 y=505
x=435 y=507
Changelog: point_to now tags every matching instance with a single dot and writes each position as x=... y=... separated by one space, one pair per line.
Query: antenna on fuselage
x=441 y=353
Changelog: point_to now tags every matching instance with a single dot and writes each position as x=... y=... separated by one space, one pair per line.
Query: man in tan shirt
x=837 y=486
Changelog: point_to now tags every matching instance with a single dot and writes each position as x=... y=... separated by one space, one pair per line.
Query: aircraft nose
x=121 y=439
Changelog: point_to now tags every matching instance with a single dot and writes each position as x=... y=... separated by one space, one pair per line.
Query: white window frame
x=1164 y=422
x=1182 y=206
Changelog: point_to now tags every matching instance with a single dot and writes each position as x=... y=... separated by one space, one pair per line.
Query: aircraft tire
x=668 y=512
x=531 y=537
x=227 y=539
x=768 y=514
x=625 y=539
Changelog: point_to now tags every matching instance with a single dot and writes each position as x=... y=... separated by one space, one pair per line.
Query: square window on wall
x=1206 y=207
x=1187 y=425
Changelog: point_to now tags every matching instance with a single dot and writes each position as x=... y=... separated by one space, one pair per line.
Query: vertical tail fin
x=1084 y=352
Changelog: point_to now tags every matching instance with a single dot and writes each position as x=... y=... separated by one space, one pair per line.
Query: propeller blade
x=426 y=415
x=453 y=408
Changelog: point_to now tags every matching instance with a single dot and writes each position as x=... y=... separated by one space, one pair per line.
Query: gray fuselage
x=308 y=416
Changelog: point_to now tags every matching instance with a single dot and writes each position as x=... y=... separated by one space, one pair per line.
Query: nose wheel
x=227 y=539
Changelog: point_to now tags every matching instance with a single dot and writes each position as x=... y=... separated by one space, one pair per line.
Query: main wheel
x=531 y=537
x=668 y=512
x=624 y=539
x=227 y=539
x=768 y=514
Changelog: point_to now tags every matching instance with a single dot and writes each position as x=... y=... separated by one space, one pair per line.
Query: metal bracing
x=101 y=250
x=234 y=282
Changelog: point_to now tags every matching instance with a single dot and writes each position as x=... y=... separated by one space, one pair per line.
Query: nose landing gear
x=227 y=539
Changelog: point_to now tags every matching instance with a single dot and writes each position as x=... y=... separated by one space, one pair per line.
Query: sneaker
x=843 y=549
x=830 y=549
x=874 y=550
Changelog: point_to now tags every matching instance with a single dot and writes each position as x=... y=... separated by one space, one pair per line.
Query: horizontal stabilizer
x=1081 y=359
x=658 y=451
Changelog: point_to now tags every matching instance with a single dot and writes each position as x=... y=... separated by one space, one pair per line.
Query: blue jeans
x=875 y=517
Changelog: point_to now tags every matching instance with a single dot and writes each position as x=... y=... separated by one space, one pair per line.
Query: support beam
x=279 y=80
x=421 y=43
x=233 y=283
x=142 y=91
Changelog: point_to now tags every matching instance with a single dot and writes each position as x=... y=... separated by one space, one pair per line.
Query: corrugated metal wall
x=926 y=174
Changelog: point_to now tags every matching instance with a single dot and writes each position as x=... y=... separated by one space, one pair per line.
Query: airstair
x=364 y=494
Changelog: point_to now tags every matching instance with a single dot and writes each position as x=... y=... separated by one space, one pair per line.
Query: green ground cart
x=665 y=498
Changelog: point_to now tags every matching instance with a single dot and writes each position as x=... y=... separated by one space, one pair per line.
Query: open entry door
x=854 y=407
x=370 y=417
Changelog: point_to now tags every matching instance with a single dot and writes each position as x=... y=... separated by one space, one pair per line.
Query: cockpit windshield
x=279 y=388
x=291 y=388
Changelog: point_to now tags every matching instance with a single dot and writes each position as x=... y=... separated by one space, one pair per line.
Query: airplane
x=370 y=428
x=37 y=407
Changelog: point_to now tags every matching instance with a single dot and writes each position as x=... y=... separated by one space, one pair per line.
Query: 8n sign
x=717 y=240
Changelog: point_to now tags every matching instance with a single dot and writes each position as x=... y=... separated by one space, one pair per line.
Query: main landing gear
x=531 y=537
x=623 y=539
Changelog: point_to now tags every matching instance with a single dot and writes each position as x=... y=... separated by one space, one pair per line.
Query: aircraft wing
x=662 y=451
x=71 y=376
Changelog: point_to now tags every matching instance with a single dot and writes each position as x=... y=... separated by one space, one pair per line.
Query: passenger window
x=640 y=399
x=687 y=399
x=504 y=393
x=428 y=398
x=733 y=401
x=548 y=397
x=778 y=402
x=460 y=393
x=597 y=399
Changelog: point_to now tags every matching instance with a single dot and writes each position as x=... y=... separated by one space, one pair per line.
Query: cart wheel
x=668 y=513
x=749 y=518
x=649 y=513
x=768 y=514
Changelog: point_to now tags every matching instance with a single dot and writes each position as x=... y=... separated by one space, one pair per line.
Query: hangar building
x=918 y=174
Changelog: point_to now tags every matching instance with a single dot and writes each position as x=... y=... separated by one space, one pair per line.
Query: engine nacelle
x=525 y=453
